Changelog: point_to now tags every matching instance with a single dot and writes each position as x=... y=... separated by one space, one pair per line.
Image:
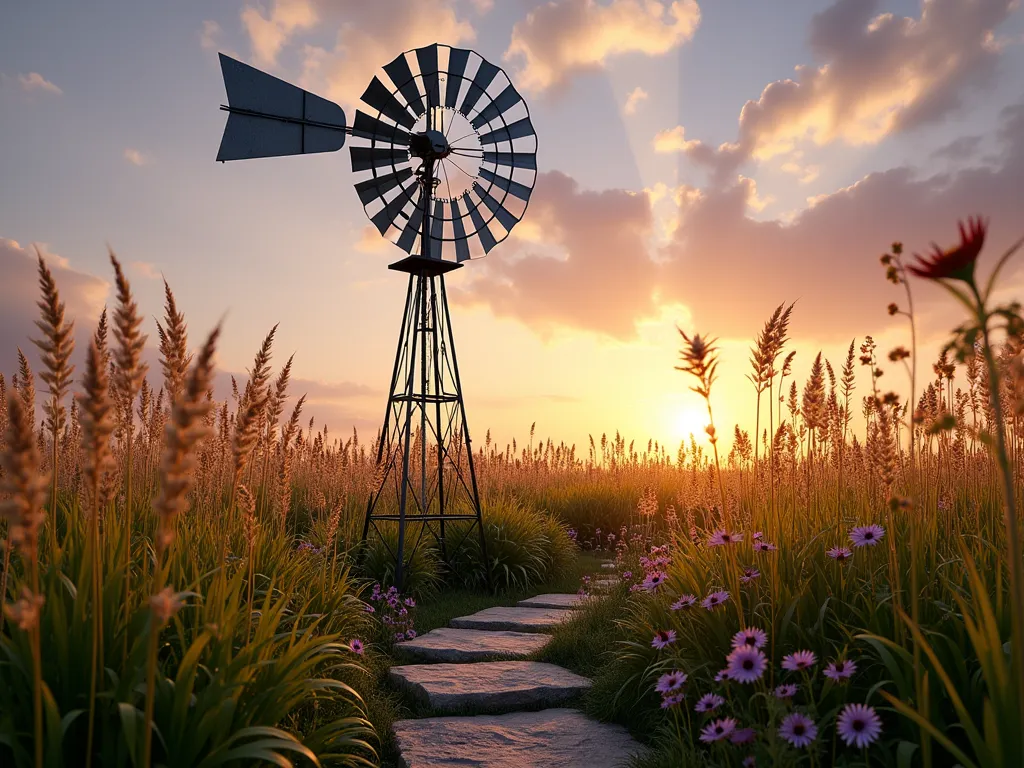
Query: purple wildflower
x=654 y=580
x=799 y=660
x=753 y=637
x=663 y=638
x=840 y=670
x=858 y=725
x=671 y=700
x=746 y=664
x=356 y=646
x=764 y=546
x=718 y=730
x=720 y=537
x=799 y=730
x=749 y=574
x=670 y=682
x=715 y=599
x=785 y=691
x=840 y=553
x=684 y=601
x=867 y=535
x=709 y=702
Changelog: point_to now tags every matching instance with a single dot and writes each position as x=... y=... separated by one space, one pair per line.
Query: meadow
x=181 y=587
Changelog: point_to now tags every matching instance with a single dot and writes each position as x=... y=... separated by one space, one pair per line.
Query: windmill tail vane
x=445 y=159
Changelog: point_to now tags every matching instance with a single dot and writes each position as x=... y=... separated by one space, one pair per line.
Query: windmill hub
x=429 y=145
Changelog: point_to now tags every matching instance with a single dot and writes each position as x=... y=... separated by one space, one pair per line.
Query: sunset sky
x=700 y=163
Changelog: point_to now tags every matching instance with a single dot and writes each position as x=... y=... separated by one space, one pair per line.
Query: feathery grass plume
x=187 y=426
x=275 y=406
x=26 y=387
x=174 y=358
x=251 y=407
x=22 y=490
x=290 y=431
x=55 y=349
x=97 y=426
x=127 y=381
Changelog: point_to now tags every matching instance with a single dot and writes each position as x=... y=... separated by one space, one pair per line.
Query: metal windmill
x=445 y=157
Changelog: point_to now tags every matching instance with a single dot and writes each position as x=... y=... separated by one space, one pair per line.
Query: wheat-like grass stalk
x=173 y=338
x=187 y=426
x=97 y=427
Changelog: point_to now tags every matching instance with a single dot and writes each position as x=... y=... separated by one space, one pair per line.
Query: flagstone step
x=465 y=645
x=515 y=619
x=489 y=686
x=608 y=565
x=552 y=600
x=551 y=737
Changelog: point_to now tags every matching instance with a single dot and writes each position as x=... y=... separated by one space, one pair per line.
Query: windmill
x=445 y=158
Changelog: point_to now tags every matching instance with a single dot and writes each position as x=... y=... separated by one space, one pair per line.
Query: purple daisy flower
x=840 y=670
x=663 y=638
x=722 y=674
x=715 y=599
x=672 y=700
x=720 y=537
x=758 y=535
x=746 y=664
x=410 y=634
x=785 y=691
x=749 y=761
x=356 y=646
x=764 y=546
x=743 y=736
x=670 y=682
x=718 y=730
x=627 y=575
x=753 y=637
x=799 y=730
x=799 y=660
x=858 y=725
x=684 y=601
x=867 y=535
x=654 y=580
x=749 y=574
x=840 y=553
x=709 y=702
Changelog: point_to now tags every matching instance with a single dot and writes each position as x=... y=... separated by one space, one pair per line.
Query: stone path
x=535 y=729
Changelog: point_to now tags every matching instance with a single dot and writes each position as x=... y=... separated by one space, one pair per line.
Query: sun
x=690 y=420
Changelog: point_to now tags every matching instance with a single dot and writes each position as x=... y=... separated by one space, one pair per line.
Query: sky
x=700 y=162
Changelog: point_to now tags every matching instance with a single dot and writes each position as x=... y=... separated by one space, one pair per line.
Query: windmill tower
x=445 y=158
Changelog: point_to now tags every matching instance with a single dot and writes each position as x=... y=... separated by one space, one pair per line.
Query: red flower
x=956 y=263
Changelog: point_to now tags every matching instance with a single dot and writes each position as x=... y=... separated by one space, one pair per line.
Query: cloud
x=878 y=74
x=599 y=277
x=963 y=148
x=561 y=38
x=135 y=157
x=674 y=140
x=146 y=270
x=209 y=35
x=33 y=81
x=367 y=35
x=370 y=241
x=827 y=256
x=634 y=98
x=82 y=293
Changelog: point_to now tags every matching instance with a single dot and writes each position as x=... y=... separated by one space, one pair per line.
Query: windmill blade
x=407 y=240
x=512 y=187
x=380 y=98
x=374 y=188
x=526 y=160
x=483 y=77
x=271 y=118
x=387 y=215
x=502 y=214
x=486 y=238
x=517 y=130
x=437 y=229
x=505 y=100
x=461 y=246
x=427 y=59
x=367 y=127
x=365 y=158
x=457 y=60
x=400 y=74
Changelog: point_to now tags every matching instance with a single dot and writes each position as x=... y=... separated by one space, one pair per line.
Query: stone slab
x=562 y=738
x=552 y=600
x=515 y=619
x=608 y=566
x=489 y=686
x=465 y=645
